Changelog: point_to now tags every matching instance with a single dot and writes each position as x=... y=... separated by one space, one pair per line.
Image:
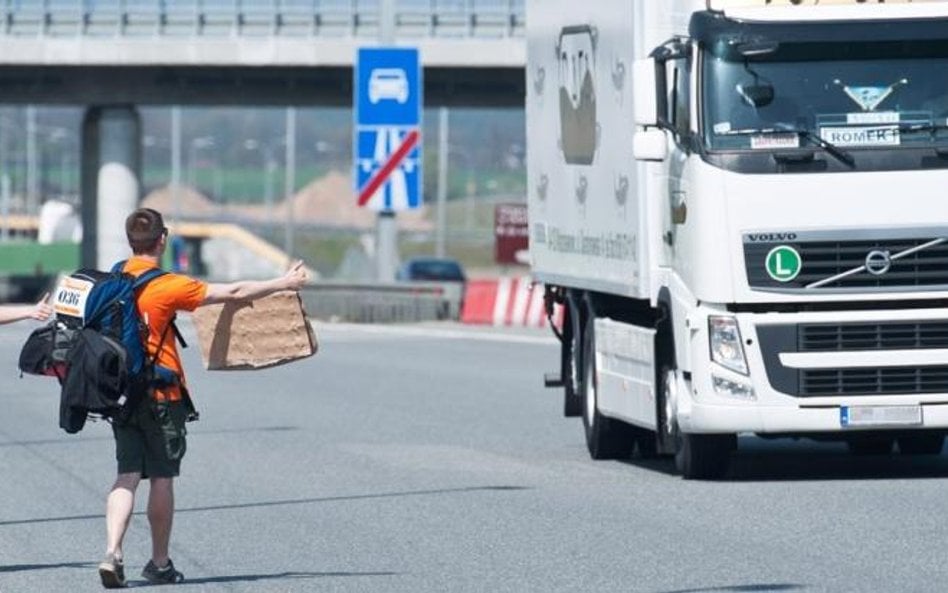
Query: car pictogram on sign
x=388 y=84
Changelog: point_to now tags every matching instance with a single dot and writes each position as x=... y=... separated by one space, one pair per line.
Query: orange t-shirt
x=157 y=304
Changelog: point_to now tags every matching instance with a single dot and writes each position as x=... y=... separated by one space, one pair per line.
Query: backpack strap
x=161 y=342
x=140 y=282
x=143 y=279
x=177 y=334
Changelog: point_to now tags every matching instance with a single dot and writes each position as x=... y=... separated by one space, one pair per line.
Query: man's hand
x=41 y=311
x=296 y=276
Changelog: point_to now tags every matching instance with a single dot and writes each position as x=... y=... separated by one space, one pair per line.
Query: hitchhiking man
x=152 y=442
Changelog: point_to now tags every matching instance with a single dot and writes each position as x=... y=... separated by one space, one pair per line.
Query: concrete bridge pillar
x=111 y=182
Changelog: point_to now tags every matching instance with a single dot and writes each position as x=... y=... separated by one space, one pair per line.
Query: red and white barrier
x=504 y=302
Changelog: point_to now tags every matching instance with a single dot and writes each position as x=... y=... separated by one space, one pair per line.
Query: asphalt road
x=420 y=459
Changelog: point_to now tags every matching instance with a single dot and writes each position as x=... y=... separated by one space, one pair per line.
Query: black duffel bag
x=46 y=351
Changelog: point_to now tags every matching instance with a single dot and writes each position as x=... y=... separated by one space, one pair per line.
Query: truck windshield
x=850 y=96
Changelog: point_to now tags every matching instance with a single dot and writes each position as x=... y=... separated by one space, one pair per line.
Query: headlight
x=726 y=347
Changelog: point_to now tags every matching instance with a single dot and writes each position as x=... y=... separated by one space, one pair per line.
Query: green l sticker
x=784 y=263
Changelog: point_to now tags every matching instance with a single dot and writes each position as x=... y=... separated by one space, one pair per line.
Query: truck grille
x=842 y=337
x=872 y=336
x=927 y=268
x=881 y=381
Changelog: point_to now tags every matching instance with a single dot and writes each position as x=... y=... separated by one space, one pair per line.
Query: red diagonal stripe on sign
x=394 y=161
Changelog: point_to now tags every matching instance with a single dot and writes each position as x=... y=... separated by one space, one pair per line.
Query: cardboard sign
x=267 y=332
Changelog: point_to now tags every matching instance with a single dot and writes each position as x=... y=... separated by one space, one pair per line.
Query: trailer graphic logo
x=576 y=54
x=784 y=263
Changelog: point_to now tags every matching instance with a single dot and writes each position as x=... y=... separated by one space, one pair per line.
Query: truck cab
x=784 y=168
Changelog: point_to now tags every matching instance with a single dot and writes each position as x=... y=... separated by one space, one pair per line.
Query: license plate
x=851 y=416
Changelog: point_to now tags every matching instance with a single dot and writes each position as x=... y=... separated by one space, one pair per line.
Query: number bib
x=70 y=298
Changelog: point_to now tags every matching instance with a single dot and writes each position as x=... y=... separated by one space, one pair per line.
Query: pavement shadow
x=72 y=441
x=279 y=503
x=303 y=501
x=761 y=588
x=255 y=578
x=662 y=465
x=52 y=566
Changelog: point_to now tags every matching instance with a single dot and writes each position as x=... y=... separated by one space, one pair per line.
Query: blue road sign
x=387 y=140
x=388 y=87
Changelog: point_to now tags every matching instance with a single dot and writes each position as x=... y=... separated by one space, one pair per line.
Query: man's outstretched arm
x=41 y=311
x=250 y=290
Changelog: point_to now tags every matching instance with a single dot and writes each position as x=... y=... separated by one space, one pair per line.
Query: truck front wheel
x=605 y=438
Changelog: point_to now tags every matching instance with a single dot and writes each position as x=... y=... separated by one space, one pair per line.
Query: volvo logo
x=878 y=263
x=770 y=237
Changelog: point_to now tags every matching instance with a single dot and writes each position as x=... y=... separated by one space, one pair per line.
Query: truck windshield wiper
x=842 y=155
x=922 y=127
x=932 y=129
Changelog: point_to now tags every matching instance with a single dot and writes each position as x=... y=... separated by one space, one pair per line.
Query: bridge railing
x=258 y=18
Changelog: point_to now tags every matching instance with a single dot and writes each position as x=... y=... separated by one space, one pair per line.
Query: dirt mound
x=191 y=202
x=329 y=200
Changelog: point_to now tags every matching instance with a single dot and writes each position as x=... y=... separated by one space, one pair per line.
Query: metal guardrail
x=383 y=303
x=355 y=303
x=258 y=18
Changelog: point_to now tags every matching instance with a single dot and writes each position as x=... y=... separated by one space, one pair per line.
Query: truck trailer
x=742 y=207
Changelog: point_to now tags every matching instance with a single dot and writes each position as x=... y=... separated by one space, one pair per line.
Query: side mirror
x=645 y=92
x=650 y=145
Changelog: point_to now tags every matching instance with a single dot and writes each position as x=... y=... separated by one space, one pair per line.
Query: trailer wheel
x=570 y=363
x=704 y=456
x=605 y=438
x=921 y=444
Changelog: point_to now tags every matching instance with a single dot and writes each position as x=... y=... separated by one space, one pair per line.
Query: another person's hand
x=296 y=276
x=41 y=311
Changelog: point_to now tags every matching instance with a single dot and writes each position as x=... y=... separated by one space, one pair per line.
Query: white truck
x=743 y=208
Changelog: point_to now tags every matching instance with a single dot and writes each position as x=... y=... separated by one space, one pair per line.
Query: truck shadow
x=762 y=460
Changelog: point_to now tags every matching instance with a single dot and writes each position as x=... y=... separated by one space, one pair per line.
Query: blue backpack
x=96 y=346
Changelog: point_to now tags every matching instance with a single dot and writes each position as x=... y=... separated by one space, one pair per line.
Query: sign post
x=387 y=142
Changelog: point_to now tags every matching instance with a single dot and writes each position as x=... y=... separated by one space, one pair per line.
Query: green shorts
x=152 y=442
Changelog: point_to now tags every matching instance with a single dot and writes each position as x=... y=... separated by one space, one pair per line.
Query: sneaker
x=112 y=572
x=161 y=576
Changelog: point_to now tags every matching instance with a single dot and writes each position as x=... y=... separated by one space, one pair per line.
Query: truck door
x=675 y=216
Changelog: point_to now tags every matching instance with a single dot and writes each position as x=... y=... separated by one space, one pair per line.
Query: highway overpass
x=251 y=52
